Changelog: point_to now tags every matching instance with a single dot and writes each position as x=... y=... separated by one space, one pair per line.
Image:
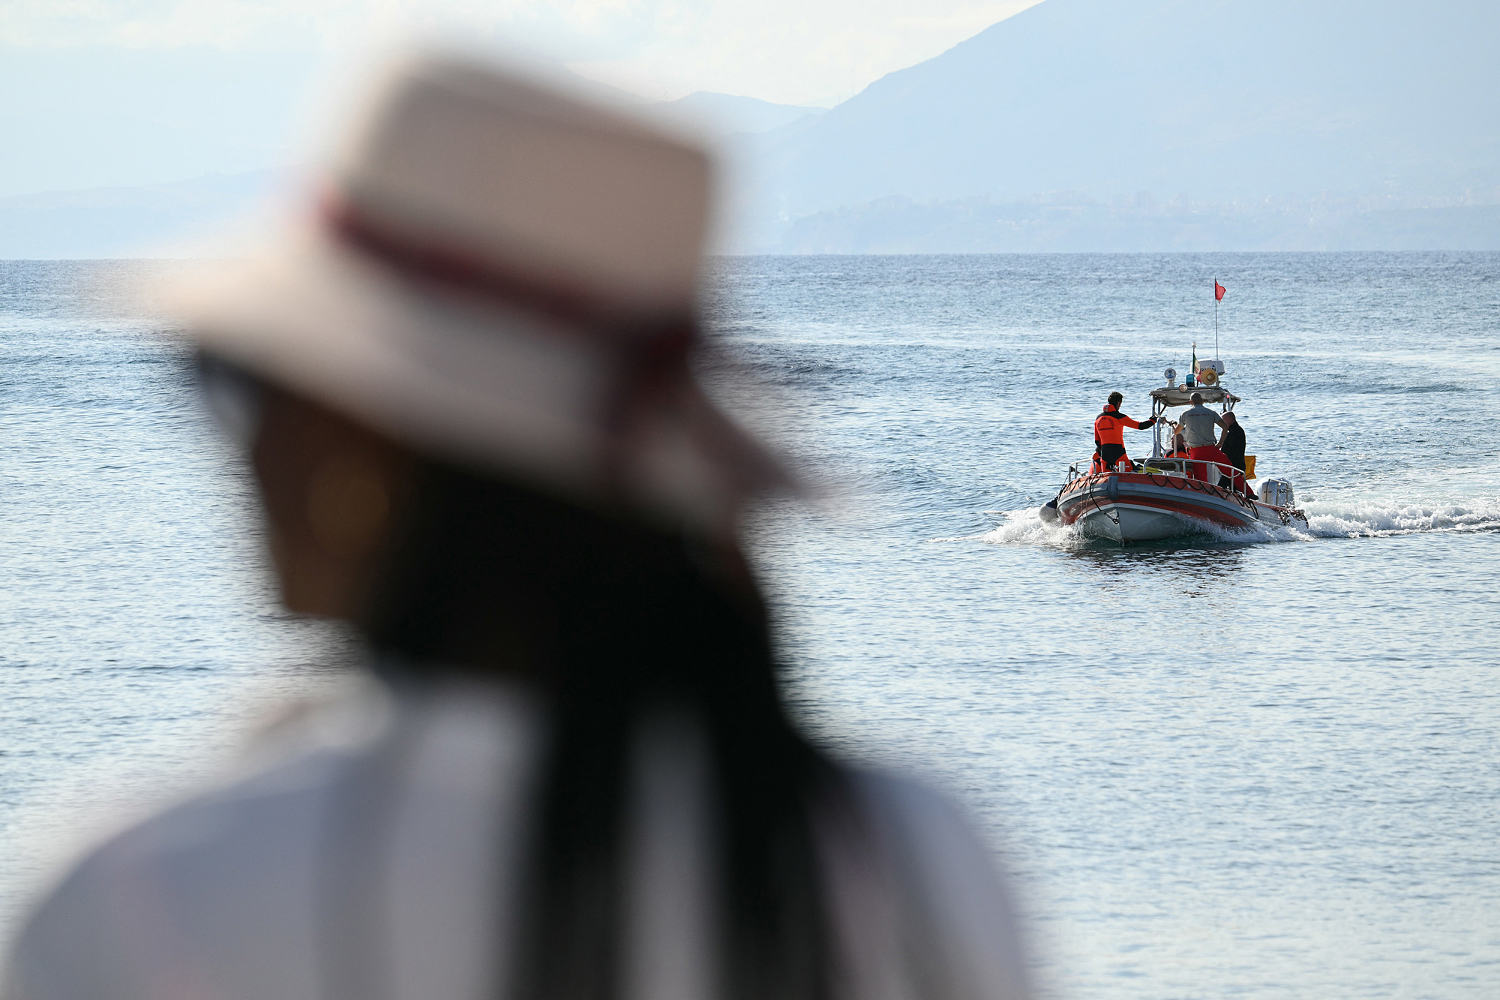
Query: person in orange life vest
x=1179 y=446
x=1109 y=434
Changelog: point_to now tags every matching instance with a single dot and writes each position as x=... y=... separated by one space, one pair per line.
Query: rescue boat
x=1161 y=497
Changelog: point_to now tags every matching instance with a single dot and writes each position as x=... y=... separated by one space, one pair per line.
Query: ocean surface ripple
x=1265 y=765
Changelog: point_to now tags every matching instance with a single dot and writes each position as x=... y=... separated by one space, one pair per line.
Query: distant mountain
x=722 y=115
x=1225 y=103
x=155 y=220
x=1073 y=125
x=170 y=218
x=979 y=225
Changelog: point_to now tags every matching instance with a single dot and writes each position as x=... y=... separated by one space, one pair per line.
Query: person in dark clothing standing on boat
x=1109 y=434
x=1232 y=444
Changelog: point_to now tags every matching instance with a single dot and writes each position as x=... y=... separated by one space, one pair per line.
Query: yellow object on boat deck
x=1249 y=466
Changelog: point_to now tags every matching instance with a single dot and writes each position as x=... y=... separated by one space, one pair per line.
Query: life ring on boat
x=1208 y=376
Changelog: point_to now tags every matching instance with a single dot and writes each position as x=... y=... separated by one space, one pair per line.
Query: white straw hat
x=505 y=274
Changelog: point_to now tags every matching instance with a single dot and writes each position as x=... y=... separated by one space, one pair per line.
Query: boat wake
x=1374 y=519
x=1325 y=519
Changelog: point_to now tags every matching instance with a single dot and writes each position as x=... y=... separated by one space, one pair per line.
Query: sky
x=101 y=93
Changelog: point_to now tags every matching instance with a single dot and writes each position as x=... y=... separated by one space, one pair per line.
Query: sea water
x=1261 y=765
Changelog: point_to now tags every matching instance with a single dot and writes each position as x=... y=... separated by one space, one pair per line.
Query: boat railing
x=1168 y=467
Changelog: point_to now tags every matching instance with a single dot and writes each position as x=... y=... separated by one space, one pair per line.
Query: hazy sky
x=790 y=51
x=100 y=92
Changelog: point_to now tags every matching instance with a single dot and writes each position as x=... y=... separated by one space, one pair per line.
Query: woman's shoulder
x=157 y=885
x=166 y=874
x=895 y=794
x=925 y=879
x=243 y=851
x=931 y=830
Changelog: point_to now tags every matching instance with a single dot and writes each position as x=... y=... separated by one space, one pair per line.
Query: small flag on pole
x=1219 y=291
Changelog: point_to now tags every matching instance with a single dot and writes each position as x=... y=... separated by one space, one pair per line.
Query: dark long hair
x=613 y=619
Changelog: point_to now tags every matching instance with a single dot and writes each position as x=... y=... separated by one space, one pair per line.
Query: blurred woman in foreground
x=466 y=392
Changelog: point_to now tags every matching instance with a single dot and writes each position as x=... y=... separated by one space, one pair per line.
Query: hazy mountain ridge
x=1051 y=225
x=1074 y=125
x=151 y=220
x=1225 y=102
x=724 y=115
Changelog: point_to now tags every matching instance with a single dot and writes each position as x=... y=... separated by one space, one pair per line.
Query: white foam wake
x=1022 y=527
x=1026 y=527
x=1325 y=519
x=1376 y=518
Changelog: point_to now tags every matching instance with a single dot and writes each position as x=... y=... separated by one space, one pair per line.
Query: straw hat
x=504 y=273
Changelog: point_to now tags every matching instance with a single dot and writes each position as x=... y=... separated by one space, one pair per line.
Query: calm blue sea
x=1260 y=766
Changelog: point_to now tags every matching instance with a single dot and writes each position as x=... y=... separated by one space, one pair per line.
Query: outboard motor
x=1276 y=492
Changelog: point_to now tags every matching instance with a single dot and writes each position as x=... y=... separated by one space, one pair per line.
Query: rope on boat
x=1112 y=516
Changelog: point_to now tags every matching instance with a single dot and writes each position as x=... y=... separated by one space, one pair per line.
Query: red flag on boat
x=1219 y=291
